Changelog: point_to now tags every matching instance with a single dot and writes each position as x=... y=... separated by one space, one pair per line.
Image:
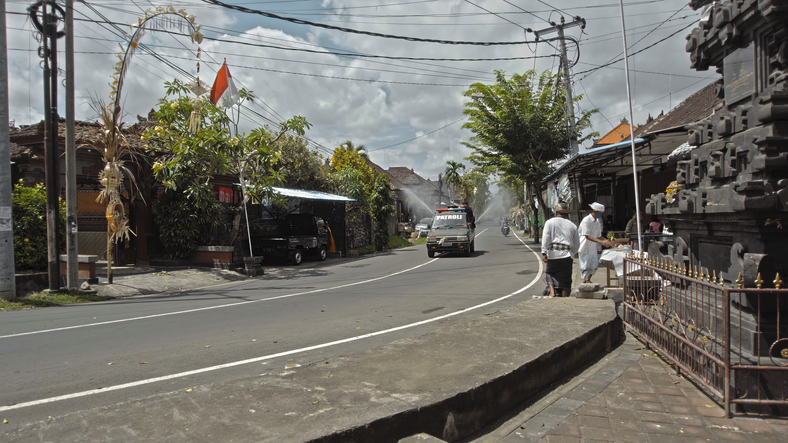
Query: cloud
x=373 y=102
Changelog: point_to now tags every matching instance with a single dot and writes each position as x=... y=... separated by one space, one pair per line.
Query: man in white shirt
x=559 y=244
x=590 y=232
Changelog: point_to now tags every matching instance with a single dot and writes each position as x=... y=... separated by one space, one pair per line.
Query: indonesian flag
x=224 y=93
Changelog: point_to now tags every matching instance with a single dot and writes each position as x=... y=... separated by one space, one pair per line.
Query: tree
x=381 y=205
x=476 y=190
x=352 y=176
x=452 y=175
x=299 y=166
x=361 y=150
x=520 y=125
x=188 y=156
x=29 y=208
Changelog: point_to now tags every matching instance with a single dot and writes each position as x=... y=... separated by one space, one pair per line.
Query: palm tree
x=361 y=150
x=452 y=174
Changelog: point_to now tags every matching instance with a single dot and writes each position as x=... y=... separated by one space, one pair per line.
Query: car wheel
x=296 y=257
x=468 y=252
x=430 y=254
x=321 y=253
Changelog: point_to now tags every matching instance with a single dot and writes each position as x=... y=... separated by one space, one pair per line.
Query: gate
x=731 y=340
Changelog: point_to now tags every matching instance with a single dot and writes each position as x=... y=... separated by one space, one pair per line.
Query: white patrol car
x=450 y=232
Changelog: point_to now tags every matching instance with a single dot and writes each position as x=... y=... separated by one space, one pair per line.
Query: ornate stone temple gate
x=726 y=210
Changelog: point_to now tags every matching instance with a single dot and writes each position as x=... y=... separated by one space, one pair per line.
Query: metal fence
x=731 y=340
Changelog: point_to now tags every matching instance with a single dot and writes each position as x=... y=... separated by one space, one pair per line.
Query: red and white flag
x=224 y=93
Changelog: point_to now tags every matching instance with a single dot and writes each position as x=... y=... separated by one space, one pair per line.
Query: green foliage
x=187 y=158
x=183 y=225
x=476 y=189
x=381 y=205
x=452 y=175
x=299 y=166
x=29 y=208
x=520 y=125
x=351 y=175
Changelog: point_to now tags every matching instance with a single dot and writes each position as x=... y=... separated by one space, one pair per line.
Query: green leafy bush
x=183 y=224
x=30 y=227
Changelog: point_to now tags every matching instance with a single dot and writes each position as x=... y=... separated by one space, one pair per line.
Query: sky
x=405 y=112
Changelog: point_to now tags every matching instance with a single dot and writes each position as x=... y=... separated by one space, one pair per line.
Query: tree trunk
x=535 y=227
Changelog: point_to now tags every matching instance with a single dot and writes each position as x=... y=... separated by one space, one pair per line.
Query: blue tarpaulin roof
x=311 y=195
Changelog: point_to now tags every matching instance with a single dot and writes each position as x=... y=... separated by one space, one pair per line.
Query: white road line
x=208 y=308
x=280 y=354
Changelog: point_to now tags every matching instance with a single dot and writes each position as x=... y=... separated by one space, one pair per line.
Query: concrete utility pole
x=570 y=103
x=570 y=108
x=47 y=25
x=72 y=267
x=7 y=279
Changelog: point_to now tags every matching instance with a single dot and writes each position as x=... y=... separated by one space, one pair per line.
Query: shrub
x=30 y=227
x=183 y=224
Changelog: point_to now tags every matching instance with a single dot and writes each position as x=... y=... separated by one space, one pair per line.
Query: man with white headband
x=590 y=232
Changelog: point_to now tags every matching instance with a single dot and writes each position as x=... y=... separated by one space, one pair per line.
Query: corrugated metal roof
x=312 y=195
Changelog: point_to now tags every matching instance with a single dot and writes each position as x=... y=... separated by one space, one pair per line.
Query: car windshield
x=449 y=221
x=425 y=221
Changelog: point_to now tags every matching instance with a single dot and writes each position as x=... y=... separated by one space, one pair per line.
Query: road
x=55 y=361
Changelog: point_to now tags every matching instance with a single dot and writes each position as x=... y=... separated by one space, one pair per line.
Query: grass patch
x=45 y=299
x=419 y=241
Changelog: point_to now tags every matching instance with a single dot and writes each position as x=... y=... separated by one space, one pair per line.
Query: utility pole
x=47 y=25
x=570 y=104
x=570 y=108
x=72 y=264
x=7 y=273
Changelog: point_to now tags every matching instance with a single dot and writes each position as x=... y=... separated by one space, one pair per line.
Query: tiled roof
x=694 y=108
x=615 y=135
x=406 y=176
x=86 y=133
x=394 y=184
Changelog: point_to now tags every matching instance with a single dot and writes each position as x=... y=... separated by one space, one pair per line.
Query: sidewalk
x=129 y=281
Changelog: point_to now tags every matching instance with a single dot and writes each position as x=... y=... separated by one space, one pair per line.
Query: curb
x=468 y=412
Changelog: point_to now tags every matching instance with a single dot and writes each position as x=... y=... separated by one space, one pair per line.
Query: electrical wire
x=355 y=31
x=423 y=135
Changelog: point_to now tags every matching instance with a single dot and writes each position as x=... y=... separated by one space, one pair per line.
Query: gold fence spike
x=777 y=281
x=758 y=281
x=696 y=272
x=740 y=281
x=715 y=277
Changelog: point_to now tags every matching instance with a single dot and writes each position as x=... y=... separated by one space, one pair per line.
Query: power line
x=423 y=135
x=355 y=31
x=590 y=71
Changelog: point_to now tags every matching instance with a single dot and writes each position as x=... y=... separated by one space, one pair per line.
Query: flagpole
x=223 y=82
x=632 y=132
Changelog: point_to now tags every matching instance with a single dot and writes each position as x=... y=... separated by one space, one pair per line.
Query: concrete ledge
x=219 y=257
x=86 y=268
x=29 y=283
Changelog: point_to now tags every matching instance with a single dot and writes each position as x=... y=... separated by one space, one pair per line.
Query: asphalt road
x=55 y=361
